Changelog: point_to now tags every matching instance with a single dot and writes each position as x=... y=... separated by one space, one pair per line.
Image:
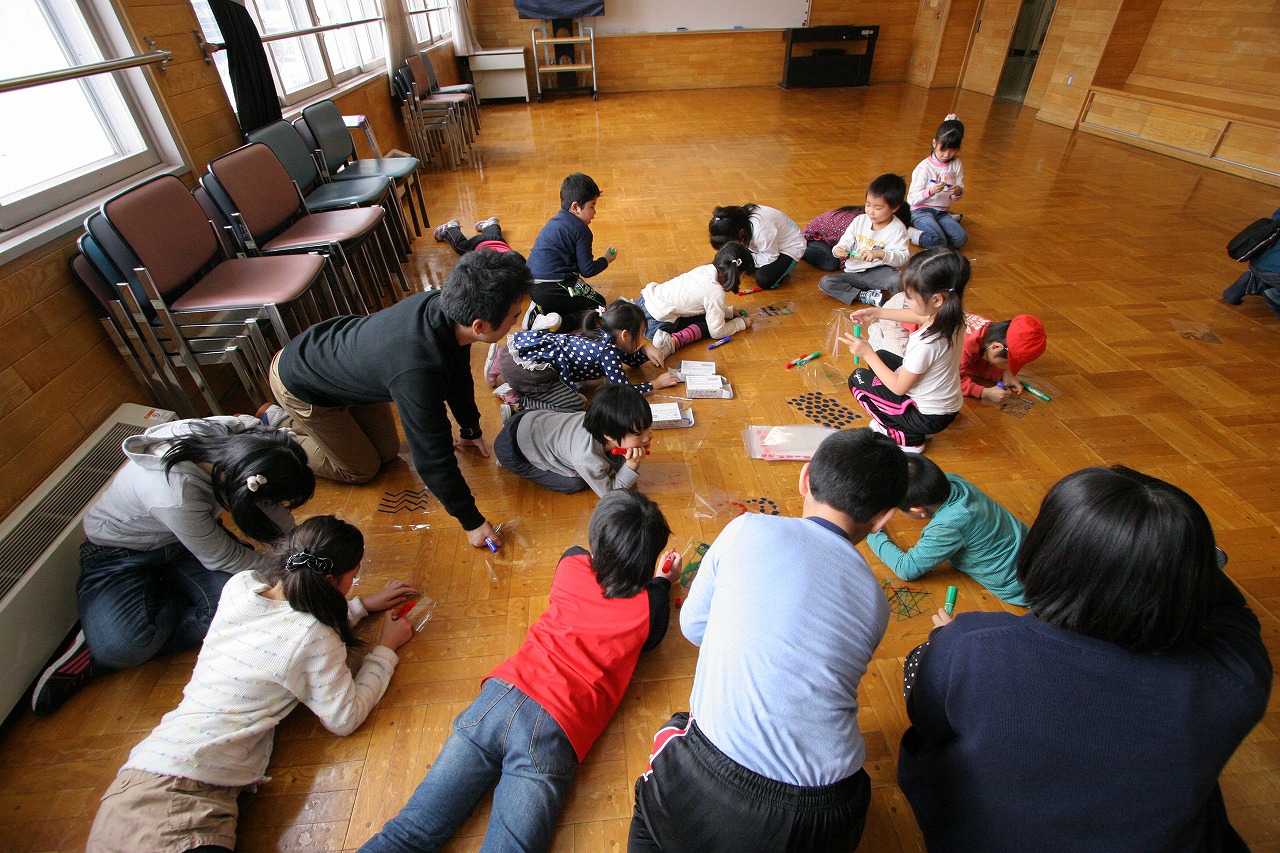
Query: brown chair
x=253 y=188
x=142 y=337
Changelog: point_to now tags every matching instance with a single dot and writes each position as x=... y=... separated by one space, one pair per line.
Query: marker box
x=709 y=387
x=671 y=416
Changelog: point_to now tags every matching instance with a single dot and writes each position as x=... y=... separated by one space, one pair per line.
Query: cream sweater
x=260 y=658
x=695 y=292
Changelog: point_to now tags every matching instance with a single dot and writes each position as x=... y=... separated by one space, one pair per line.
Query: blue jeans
x=651 y=325
x=938 y=228
x=506 y=736
x=135 y=605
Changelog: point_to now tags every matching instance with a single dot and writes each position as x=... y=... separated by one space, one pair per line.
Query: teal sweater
x=970 y=531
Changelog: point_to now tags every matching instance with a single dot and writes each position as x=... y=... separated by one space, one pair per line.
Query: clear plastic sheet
x=794 y=442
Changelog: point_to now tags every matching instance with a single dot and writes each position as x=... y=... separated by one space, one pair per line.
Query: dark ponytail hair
x=620 y=316
x=249 y=467
x=731 y=223
x=317 y=552
x=945 y=272
x=950 y=133
x=731 y=262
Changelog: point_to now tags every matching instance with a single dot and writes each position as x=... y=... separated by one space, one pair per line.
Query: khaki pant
x=344 y=443
x=163 y=814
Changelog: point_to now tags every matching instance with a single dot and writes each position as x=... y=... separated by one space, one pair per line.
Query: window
x=430 y=19
x=306 y=65
x=62 y=142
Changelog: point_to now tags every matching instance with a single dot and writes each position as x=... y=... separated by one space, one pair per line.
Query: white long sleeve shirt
x=688 y=295
x=260 y=658
x=861 y=237
x=932 y=173
x=773 y=234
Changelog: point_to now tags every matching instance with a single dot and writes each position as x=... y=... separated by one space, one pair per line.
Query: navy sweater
x=563 y=250
x=407 y=354
x=1027 y=737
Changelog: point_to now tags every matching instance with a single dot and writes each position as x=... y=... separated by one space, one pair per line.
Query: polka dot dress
x=578 y=359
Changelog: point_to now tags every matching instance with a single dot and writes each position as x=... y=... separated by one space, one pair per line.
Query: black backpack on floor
x=1254 y=240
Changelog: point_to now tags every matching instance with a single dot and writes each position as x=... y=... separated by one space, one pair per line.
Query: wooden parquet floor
x=1116 y=249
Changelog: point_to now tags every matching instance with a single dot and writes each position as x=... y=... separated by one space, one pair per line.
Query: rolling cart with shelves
x=564 y=55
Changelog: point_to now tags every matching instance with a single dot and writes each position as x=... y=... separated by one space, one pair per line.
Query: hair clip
x=305 y=559
x=737 y=262
x=600 y=310
x=255 y=482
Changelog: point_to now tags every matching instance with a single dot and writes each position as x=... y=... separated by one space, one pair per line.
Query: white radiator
x=40 y=551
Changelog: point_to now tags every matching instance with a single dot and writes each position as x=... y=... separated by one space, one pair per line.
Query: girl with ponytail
x=912 y=396
x=544 y=368
x=281 y=636
x=157 y=553
x=691 y=306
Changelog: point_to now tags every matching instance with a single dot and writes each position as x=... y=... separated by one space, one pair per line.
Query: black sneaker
x=67 y=674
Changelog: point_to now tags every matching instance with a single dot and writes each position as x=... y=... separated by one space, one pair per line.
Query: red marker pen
x=622 y=451
x=404 y=608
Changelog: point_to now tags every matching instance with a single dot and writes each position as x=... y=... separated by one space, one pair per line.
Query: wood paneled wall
x=710 y=60
x=990 y=45
x=1079 y=32
x=1229 y=51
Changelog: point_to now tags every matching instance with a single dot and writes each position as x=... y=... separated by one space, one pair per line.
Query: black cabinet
x=829 y=56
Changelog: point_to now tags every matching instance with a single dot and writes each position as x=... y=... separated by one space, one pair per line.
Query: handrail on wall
x=75 y=72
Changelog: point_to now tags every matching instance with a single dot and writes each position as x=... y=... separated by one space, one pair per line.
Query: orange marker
x=404 y=608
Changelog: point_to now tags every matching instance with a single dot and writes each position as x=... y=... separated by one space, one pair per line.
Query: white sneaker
x=440 y=231
x=506 y=411
x=912 y=448
x=274 y=416
x=913 y=234
x=876 y=426
x=663 y=341
x=489 y=359
x=485 y=223
x=957 y=216
x=546 y=322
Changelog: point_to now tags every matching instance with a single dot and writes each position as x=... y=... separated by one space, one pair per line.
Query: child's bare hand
x=957 y=192
x=395 y=592
x=1011 y=382
x=666 y=380
x=669 y=567
x=994 y=394
x=635 y=455
x=395 y=632
x=942 y=618
x=653 y=354
x=858 y=346
x=840 y=253
x=863 y=316
x=747 y=321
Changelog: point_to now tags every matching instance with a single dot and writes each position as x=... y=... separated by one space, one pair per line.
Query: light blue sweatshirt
x=786 y=613
x=970 y=531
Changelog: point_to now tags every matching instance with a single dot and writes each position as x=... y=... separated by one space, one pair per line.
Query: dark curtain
x=255 y=92
x=560 y=8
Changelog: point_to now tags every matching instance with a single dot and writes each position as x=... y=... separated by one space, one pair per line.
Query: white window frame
x=314 y=47
x=118 y=98
x=423 y=13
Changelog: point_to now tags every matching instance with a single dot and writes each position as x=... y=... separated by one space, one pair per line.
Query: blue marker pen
x=491 y=545
x=719 y=343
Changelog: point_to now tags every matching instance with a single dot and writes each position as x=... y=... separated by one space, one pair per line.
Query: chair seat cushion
x=395 y=168
x=334 y=226
x=249 y=282
x=357 y=192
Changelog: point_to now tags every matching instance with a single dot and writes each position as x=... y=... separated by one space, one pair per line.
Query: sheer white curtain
x=464 y=38
x=400 y=39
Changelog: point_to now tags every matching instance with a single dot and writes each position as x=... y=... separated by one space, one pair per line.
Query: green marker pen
x=1040 y=394
x=857 y=333
x=951 y=598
